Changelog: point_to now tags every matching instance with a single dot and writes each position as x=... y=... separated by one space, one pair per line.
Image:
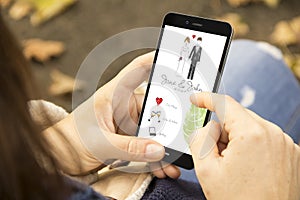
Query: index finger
x=228 y=111
x=129 y=78
x=136 y=71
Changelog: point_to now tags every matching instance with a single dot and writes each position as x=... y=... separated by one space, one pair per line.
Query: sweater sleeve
x=45 y=113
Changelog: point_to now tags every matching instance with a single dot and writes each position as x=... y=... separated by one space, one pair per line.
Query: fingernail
x=154 y=151
x=193 y=98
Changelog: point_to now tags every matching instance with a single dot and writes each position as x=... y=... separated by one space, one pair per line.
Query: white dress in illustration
x=183 y=55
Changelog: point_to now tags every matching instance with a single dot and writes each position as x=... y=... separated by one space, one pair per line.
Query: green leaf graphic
x=194 y=119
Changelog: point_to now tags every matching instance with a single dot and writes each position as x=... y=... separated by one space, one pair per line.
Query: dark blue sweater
x=170 y=189
x=165 y=189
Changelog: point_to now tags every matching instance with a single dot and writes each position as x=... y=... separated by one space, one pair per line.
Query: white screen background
x=175 y=100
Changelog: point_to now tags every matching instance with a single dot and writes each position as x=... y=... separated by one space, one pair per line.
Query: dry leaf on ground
x=4 y=3
x=272 y=3
x=240 y=27
x=297 y=71
x=43 y=10
x=46 y=9
x=42 y=50
x=63 y=84
x=287 y=32
x=289 y=60
x=20 y=9
x=296 y=67
x=295 y=25
x=237 y=3
x=293 y=62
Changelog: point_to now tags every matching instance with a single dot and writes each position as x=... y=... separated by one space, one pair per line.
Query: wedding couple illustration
x=186 y=55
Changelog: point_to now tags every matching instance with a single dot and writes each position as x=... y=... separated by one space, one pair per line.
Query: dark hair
x=199 y=38
x=22 y=147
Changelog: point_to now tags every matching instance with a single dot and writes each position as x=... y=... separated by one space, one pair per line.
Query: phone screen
x=187 y=61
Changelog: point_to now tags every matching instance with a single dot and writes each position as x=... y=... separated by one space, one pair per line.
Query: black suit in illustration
x=195 y=57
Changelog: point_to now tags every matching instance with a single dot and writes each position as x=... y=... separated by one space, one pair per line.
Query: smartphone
x=189 y=58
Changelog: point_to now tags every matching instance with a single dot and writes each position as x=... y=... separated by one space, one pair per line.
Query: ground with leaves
x=85 y=23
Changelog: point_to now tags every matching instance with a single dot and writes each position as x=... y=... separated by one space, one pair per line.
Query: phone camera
x=187 y=22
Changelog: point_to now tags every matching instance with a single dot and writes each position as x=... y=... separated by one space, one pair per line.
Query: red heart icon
x=158 y=100
x=193 y=36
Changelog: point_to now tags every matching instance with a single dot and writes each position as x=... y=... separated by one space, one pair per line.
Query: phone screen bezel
x=198 y=24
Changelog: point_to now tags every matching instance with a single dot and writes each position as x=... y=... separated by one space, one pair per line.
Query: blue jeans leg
x=257 y=77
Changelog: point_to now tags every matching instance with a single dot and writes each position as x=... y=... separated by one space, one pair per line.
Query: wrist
x=67 y=148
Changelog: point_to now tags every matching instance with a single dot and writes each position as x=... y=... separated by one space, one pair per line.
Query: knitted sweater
x=167 y=189
x=159 y=189
x=170 y=189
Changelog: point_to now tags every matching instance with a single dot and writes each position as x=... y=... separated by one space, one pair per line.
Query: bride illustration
x=183 y=55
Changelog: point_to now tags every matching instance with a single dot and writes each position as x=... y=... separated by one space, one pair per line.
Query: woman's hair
x=187 y=39
x=22 y=174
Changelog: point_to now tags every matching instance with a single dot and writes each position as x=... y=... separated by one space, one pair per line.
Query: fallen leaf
x=296 y=67
x=4 y=3
x=42 y=50
x=289 y=60
x=43 y=9
x=272 y=3
x=293 y=62
x=20 y=9
x=63 y=84
x=46 y=9
x=286 y=32
x=297 y=71
x=295 y=25
x=240 y=27
x=238 y=3
x=283 y=34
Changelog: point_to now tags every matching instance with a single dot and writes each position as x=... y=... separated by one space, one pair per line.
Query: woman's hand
x=243 y=156
x=104 y=126
x=118 y=107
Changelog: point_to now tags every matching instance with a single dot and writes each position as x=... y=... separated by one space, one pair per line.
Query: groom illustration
x=195 y=58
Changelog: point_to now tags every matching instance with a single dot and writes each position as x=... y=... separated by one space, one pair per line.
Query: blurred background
x=57 y=35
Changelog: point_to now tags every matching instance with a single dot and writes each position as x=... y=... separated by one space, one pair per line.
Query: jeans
x=257 y=77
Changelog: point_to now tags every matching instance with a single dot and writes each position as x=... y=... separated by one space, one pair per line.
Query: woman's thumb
x=136 y=149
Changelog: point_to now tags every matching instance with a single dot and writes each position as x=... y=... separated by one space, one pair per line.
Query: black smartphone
x=190 y=57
